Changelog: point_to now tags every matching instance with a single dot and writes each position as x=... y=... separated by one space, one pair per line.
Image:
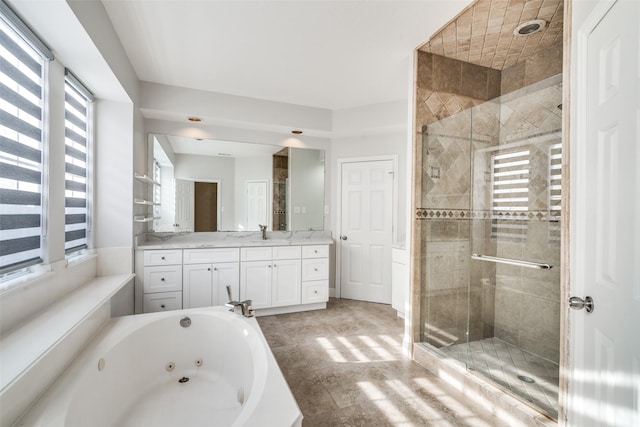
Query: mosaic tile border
x=423 y=214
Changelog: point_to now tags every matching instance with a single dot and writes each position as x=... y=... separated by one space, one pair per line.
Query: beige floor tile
x=345 y=367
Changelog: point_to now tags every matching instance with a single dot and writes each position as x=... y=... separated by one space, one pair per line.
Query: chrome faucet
x=246 y=307
x=263 y=228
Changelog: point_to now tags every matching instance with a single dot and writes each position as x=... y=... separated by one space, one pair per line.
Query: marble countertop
x=230 y=239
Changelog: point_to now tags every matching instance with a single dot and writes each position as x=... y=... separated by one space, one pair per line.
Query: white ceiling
x=325 y=54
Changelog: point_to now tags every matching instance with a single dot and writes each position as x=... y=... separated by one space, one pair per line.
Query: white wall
x=168 y=102
x=374 y=130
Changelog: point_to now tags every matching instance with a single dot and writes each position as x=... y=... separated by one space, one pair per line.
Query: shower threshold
x=521 y=373
x=512 y=409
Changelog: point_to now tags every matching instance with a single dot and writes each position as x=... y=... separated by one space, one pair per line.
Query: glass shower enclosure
x=490 y=229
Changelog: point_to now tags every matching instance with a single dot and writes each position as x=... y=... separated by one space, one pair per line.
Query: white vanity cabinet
x=270 y=276
x=162 y=280
x=278 y=279
x=207 y=273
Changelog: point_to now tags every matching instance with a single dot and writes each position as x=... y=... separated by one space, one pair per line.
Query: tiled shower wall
x=280 y=175
x=447 y=90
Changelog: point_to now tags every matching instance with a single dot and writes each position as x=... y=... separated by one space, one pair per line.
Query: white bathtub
x=148 y=370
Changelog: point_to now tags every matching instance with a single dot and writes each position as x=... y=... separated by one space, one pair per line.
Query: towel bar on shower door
x=519 y=263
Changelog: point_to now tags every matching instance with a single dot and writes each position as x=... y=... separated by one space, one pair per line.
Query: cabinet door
x=255 y=283
x=286 y=282
x=225 y=274
x=196 y=285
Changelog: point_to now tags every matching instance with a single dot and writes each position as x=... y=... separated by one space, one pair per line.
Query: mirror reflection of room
x=210 y=185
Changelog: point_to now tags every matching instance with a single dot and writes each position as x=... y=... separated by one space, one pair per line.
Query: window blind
x=555 y=178
x=510 y=193
x=77 y=144
x=21 y=147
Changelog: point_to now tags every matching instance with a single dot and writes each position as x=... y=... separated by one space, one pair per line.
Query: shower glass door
x=491 y=283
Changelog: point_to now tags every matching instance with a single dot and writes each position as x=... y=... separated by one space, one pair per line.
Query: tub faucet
x=263 y=228
x=246 y=307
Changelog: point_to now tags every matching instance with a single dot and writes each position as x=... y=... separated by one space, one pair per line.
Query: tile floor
x=345 y=367
x=503 y=362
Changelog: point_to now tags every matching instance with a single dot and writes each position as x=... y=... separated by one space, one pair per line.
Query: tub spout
x=246 y=307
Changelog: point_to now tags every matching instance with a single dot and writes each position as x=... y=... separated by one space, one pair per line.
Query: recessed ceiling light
x=194 y=119
x=296 y=132
x=530 y=27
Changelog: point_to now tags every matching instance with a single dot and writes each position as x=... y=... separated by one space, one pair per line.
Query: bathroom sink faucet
x=263 y=228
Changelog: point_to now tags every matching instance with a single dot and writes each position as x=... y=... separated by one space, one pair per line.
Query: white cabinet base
x=290 y=309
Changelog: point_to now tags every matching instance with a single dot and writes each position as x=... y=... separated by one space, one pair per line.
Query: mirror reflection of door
x=257 y=208
x=206 y=206
x=184 y=201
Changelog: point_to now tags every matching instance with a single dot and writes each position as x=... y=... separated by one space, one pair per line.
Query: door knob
x=343 y=237
x=578 y=303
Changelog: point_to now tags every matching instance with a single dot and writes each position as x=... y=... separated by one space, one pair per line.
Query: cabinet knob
x=215 y=269
x=315 y=292
x=162 y=306
x=316 y=251
x=269 y=265
x=162 y=258
x=209 y=269
x=315 y=269
x=162 y=279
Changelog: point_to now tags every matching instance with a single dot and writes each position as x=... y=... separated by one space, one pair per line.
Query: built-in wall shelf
x=145 y=179
x=145 y=202
x=142 y=218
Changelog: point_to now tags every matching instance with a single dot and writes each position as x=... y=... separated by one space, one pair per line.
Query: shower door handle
x=578 y=303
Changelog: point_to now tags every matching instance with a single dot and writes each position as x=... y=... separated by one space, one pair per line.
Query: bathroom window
x=77 y=118
x=22 y=145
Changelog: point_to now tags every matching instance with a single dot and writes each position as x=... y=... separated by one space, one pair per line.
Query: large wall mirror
x=211 y=185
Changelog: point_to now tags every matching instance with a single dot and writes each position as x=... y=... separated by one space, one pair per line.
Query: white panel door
x=257 y=204
x=604 y=381
x=184 y=205
x=366 y=230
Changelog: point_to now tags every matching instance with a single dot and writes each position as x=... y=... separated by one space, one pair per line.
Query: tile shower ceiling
x=483 y=33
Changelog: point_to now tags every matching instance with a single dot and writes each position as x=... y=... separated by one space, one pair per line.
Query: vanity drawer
x=211 y=255
x=163 y=257
x=161 y=301
x=163 y=278
x=287 y=252
x=315 y=291
x=315 y=269
x=315 y=251
x=256 y=254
